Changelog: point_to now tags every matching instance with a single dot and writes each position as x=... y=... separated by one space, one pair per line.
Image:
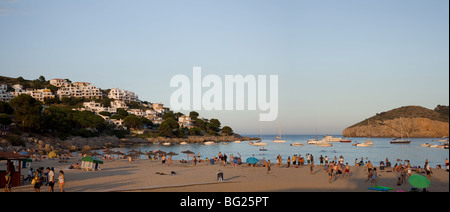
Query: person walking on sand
x=267 y=164
x=330 y=172
x=278 y=160
x=374 y=177
x=61 y=181
x=51 y=180
x=347 y=171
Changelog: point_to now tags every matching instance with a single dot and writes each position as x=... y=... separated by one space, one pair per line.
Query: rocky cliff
x=411 y=121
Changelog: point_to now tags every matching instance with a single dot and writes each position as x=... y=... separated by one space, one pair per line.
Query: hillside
x=412 y=121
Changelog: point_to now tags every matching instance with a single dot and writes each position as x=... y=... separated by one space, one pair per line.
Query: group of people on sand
x=41 y=177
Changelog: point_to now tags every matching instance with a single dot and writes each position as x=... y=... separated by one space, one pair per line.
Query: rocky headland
x=407 y=121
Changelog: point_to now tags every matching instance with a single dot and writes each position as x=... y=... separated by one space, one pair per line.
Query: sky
x=338 y=62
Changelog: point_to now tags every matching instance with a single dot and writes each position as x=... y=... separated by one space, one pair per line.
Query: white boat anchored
x=312 y=141
x=278 y=138
x=330 y=138
x=366 y=143
x=401 y=140
x=324 y=144
x=259 y=143
x=209 y=143
x=297 y=144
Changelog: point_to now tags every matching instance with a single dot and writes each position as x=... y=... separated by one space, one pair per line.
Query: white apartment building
x=119 y=104
x=97 y=107
x=136 y=112
x=159 y=108
x=79 y=90
x=4 y=94
x=123 y=95
x=59 y=82
x=185 y=121
x=38 y=94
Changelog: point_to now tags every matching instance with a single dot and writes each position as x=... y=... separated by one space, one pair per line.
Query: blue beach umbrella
x=252 y=160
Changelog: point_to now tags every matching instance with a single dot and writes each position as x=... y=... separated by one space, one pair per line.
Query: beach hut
x=90 y=164
x=13 y=164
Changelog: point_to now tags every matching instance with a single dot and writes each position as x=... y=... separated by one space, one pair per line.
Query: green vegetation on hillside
x=439 y=114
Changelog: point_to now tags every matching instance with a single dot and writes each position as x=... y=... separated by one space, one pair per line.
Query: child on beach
x=267 y=164
x=219 y=175
x=61 y=181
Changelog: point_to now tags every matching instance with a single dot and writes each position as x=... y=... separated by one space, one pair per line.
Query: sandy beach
x=140 y=176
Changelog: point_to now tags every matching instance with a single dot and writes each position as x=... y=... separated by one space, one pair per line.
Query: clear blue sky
x=338 y=62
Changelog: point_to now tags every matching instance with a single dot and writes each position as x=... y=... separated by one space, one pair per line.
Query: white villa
x=79 y=90
x=185 y=121
x=59 y=82
x=38 y=94
x=4 y=94
x=123 y=95
x=97 y=107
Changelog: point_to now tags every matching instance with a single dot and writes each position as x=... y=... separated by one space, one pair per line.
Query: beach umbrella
x=159 y=152
x=172 y=153
x=419 y=181
x=187 y=152
x=252 y=160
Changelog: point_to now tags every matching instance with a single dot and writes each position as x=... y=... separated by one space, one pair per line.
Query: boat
x=166 y=144
x=278 y=138
x=297 y=144
x=259 y=143
x=425 y=145
x=183 y=143
x=444 y=139
x=263 y=149
x=209 y=143
x=366 y=143
x=324 y=144
x=312 y=141
x=400 y=141
x=330 y=138
x=238 y=142
x=346 y=140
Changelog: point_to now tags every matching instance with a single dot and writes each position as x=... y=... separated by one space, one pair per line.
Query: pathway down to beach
x=141 y=175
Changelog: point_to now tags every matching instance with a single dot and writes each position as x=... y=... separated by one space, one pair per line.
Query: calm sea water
x=381 y=150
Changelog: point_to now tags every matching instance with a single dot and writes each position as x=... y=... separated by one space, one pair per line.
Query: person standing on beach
x=321 y=160
x=169 y=160
x=61 y=180
x=308 y=158
x=8 y=181
x=51 y=180
x=330 y=173
x=374 y=177
x=267 y=164
x=278 y=160
x=428 y=171
x=289 y=161
x=347 y=171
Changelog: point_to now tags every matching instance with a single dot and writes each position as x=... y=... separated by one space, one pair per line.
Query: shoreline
x=140 y=176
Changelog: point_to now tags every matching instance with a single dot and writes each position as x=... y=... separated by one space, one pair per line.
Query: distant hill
x=412 y=121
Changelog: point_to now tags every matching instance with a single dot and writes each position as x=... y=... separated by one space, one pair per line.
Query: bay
x=382 y=149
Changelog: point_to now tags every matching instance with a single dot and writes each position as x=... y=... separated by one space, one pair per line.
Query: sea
x=382 y=149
